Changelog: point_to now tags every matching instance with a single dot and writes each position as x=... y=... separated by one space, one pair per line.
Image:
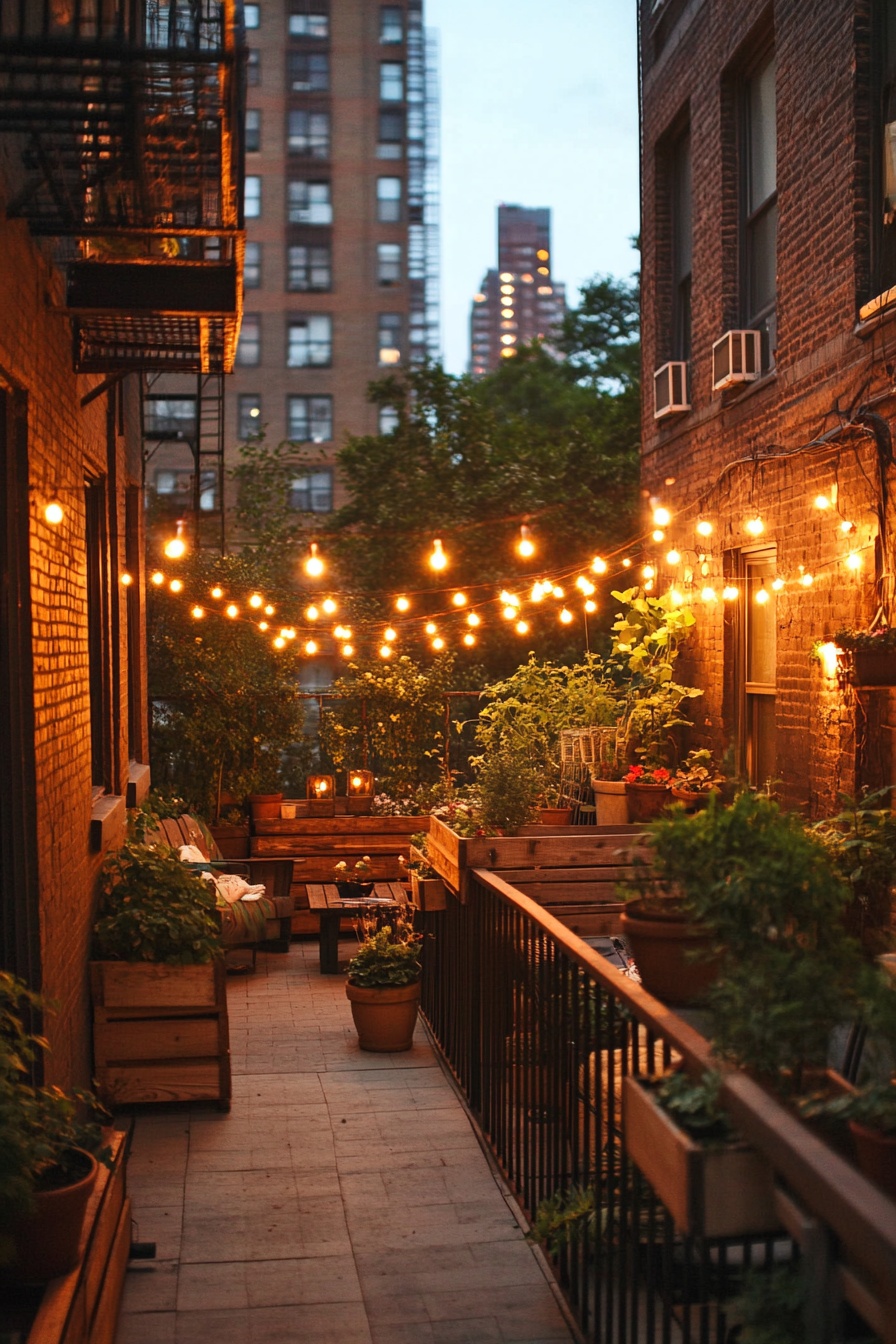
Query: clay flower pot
x=646 y=801
x=555 y=816
x=663 y=944
x=384 y=1018
x=48 y=1243
x=610 y=802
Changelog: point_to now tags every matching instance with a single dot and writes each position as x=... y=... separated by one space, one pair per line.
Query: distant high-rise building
x=518 y=301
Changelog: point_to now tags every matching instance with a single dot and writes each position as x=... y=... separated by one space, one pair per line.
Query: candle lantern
x=359 y=791
x=320 y=791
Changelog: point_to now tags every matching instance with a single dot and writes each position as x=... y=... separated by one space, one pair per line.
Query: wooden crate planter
x=160 y=1033
x=428 y=893
x=724 y=1191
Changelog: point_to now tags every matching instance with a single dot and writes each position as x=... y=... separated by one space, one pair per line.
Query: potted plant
x=157 y=980
x=383 y=984
x=356 y=881
x=427 y=888
x=509 y=783
x=646 y=790
x=872 y=655
x=861 y=840
x=696 y=778
x=48 y=1150
x=552 y=810
x=231 y=834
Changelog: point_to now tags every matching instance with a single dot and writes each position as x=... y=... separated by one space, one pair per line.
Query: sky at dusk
x=539 y=108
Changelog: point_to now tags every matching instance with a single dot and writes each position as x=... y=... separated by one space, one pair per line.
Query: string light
x=525 y=547
x=661 y=516
x=590 y=606
x=438 y=560
x=730 y=592
x=430 y=627
x=763 y=596
x=459 y=599
x=704 y=527
x=469 y=639
x=216 y=592
x=347 y=650
x=509 y=613
x=389 y=634
x=279 y=642
x=566 y=616
x=176 y=547
x=158 y=578
x=754 y=526
x=314 y=565
x=175 y=585
x=558 y=592
x=310 y=646
x=262 y=625
x=658 y=535
x=126 y=579
x=676 y=597
x=626 y=564
x=54 y=512
x=511 y=599
x=438 y=643
x=329 y=606
x=599 y=566
x=822 y=502
x=537 y=594
x=777 y=583
x=829 y=655
x=385 y=651
x=232 y=610
x=847 y=528
x=709 y=594
x=197 y=613
x=648 y=572
x=269 y=610
x=853 y=561
x=474 y=619
x=402 y=604
x=256 y=601
x=311 y=613
x=806 y=579
x=673 y=557
x=522 y=627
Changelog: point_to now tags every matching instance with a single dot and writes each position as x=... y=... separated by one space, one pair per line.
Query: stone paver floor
x=345 y=1197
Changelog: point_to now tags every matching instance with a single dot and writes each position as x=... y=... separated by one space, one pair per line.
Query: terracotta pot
x=610 y=802
x=691 y=798
x=663 y=945
x=646 y=801
x=555 y=816
x=876 y=1156
x=385 y=1018
x=48 y=1243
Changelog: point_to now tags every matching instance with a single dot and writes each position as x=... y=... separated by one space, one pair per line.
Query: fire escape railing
x=128 y=117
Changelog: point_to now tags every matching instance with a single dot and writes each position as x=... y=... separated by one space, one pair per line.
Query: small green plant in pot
x=49 y=1148
x=154 y=908
x=384 y=984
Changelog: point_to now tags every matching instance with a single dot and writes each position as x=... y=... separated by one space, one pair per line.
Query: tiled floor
x=344 y=1198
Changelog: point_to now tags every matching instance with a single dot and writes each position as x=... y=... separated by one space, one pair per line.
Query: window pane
x=389 y=338
x=252 y=198
x=308 y=268
x=388 y=419
x=308 y=71
x=309 y=133
x=391 y=23
x=253 y=129
x=248 y=350
x=762 y=260
x=252 y=266
x=248 y=415
x=309 y=25
x=252 y=15
x=388 y=199
x=391 y=82
x=253 y=67
x=312 y=493
x=309 y=202
x=310 y=418
x=761 y=624
x=388 y=263
x=310 y=341
x=762 y=167
x=169 y=417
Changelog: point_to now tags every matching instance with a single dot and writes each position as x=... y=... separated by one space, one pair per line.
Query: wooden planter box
x=428 y=893
x=724 y=1191
x=160 y=1033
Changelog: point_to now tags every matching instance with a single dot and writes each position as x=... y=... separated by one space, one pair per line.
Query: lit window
x=253 y=129
x=308 y=71
x=309 y=25
x=175 y=489
x=169 y=417
x=309 y=133
x=391 y=135
x=388 y=199
x=388 y=419
x=309 y=419
x=388 y=263
x=252 y=16
x=308 y=268
x=391 y=82
x=252 y=266
x=309 y=202
x=248 y=415
x=312 y=493
x=389 y=338
x=252 y=198
x=391 y=24
x=309 y=341
x=248 y=350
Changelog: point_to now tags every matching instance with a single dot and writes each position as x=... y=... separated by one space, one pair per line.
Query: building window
x=308 y=268
x=760 y=206
x=758 y=672
x=309 y=341
x=248 y=349
x=169 y=417
x=252 y=266
x=98 y=635
x=174 y=490
x=391 y=24
x=312 y=493
x=387 y=419
x=883 y=170
x=682 y=234
x=309 y=419
x=308 y=71
x=253 y=130
x=388 y=200
x=309 y=133
x=252 y=16
x=389 y=338
x=388 y=263
x=253 y=67
x=309 y=25
x=390 y=144
x=248 y=414
x=391 y=82
x=252 y=198
x=308 y=202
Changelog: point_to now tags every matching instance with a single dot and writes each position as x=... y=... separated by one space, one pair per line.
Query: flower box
x=724 y=1190
x=428 y=893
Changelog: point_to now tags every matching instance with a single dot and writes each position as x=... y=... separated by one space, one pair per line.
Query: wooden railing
x=540 y=1032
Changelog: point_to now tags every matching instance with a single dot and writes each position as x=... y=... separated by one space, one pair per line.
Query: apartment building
x=519 y=301
x=769 y=321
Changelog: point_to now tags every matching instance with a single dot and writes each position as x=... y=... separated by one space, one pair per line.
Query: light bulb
x=648 y=585
x=269 y=610
x=708 y=594
x=329 y=606
x=509 y=613
x=438 y=560
x=853 y=561
x=311 y=613
x=459 y=599
x=598 y=565
x=648 y=572
x=822 y=502
x=658 y=535
x=558 y=592
x=279 y=642
x=314 y=565
x=590 y=605
x=217 y=592
x=175 y=548
x=754 y=526
x=777 y=584
x=430 y=627
x=762 y=595
x=126 y=579
x=289 y=632
x=385 y=651
x=256 y=600
x=510 y=599
x=347 y=650
x=807 y=580
x=232 y=611
x=661 y=516
x=474 y=619
x=158 y=578
x=730 y=592
x=565 y=616
x=537 y=592
x=402 y=604
x=262 y=625
x=673 y=557
x=438 y=643
x=626 y=564
x=525 y=547
x=469 y=639
x=389 y=634
x=847 y=528
x=828 y=653
x=175 y=585
x=197 y=613
x=54 y=512
x=704 y=527
x=522 y=627
x=676 y=597
x=310 y=646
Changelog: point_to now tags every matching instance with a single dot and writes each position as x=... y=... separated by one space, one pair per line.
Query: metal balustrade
x=540 y=1030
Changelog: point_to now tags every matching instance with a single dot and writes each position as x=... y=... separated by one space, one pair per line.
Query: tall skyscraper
x=519 y=301
x=341 y=265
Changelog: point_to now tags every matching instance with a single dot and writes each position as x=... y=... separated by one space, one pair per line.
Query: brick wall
x=764 y=446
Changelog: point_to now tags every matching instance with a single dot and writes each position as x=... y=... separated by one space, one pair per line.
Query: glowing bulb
x=197 y=613
x=430 y=627
x=389 y=634
x=525 y=547
x=847 y=528
x=709 y=594
x=311 y=613
x=256 y=600
x=522 y=627
x=807 y=580
x=54 y=512
x=822 y=502
x=661 y=516
x=558 y=592
x=828 y=653
x=648 y=572
x=754 y=526
x=232 y=611
x=217 y=592
x=704 y=527
x=347 y=650
x=590 y=605
x=777 y=584
x=762 y=595
x=158 y=578
x=126 y=580
x=438 y=560
x=648 y=585
x=469 y=639
x=279 y=642
x=537 y=592
x=676 y=596
x=262 y=625
x=269 y=610
x=474 y=619
x=438 y=643
x=175 y=585
x=459 y=599
x=289 y=632
x=402 y=604
x=385 y=651
x=357 y=781
x=626 y=564
x=314 y=565
x=598 y=565
x=673 y=557
x=175 y=548
x=340 y=632
x=658 y=535
x=565 y=616
x=730 y=592
x=853 y=561
x=509 y=613
x=329 y=606
x=310 y=646
x=511 y=599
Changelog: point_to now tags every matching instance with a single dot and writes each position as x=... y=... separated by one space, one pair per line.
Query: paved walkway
x=344 y=1198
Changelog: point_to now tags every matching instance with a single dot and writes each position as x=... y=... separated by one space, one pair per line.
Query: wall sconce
x=829 y=657
x=320 y=790
x=359 y=791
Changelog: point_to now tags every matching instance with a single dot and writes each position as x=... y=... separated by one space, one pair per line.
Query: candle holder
x=358 y=792
x=320 y=790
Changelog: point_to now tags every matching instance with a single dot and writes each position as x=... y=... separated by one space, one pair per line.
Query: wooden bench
x=274 y=874
x=325 y=901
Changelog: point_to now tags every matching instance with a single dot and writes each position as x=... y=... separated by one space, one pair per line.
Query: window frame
x=754 y=214
x=323 y=399
x=313 y=143
x=311 y=264
x=389 y=208
x=319 y=474
x=322 y=346
x=291 y=205
x=392 y=322
x=310 y=15
x=389 y=264
x=252 y=127
x=396 y=80
x=252 y=269
x=391 y=10
x=313 y=83
x=248 y=426
x=252 y=197
x=253 y=345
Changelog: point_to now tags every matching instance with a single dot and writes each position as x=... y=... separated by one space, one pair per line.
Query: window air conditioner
x=736 y=358
x=670 y=389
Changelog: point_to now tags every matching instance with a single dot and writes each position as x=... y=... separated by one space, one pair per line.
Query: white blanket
x=230 y=886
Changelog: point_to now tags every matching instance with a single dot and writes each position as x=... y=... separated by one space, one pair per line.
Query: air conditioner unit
x=670 y=389
x=736 y=358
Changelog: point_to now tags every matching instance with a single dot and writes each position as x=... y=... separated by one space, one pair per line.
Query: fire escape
x=127 y=116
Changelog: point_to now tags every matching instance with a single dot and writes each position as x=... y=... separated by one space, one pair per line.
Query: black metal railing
x=540 y=1031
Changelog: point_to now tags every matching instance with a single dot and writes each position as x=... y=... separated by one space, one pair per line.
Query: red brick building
x=769 y=331
x=120 y=251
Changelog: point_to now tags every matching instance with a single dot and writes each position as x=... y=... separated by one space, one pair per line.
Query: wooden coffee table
x=324 y=900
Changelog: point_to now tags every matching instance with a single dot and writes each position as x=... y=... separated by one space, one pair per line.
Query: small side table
x=324 y=900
